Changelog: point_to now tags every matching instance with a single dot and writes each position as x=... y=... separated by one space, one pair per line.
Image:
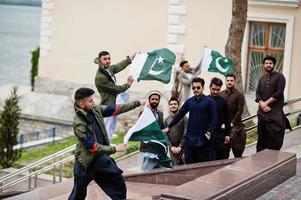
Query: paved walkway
x=290 y=189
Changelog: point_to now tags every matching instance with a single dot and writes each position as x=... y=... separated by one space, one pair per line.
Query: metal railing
x=14 y=178
x=57 y=159
x=288 y=102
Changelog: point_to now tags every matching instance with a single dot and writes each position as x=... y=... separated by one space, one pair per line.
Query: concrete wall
x=73 y=32
x=80 y=29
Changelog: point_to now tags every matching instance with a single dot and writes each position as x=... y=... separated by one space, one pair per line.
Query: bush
x=34 y=65
x=9 y=122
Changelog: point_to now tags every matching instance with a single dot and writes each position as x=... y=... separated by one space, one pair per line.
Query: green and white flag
x=155 y=65
x=213 y=61
x=147 y=129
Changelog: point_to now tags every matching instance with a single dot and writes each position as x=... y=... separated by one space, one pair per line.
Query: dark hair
x=103 y=53
x=216 y=81
x=182 y=63
x=198 y=80
x=268 y=57
x=231 y=75
x=82 y=93
x=174 y=99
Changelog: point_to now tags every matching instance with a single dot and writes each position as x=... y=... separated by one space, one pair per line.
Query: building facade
x=73 y=32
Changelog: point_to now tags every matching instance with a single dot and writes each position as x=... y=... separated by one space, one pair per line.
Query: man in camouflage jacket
x=105 y=82
x=92 y=161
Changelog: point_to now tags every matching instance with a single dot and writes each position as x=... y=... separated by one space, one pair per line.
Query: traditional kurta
x=176 y=136
x=222 y=128
x=235 y=101
x=271 y=125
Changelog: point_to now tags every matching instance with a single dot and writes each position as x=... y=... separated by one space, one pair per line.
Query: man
x=220 y=138
x=185 y=77
x=149 y=158
x=105 y=82
x=269 y=95
x=201 y=123
x=176 y=133
x=92 y=161
x=235 y=101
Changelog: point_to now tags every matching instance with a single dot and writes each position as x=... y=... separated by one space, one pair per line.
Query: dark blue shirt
x=202 y=118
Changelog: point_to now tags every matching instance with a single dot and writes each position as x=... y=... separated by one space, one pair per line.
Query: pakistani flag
x=147 y=130
x=215 y=62
x=155 y=65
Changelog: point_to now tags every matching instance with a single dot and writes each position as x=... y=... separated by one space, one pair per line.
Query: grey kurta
x=176 y=136
x=271 y=124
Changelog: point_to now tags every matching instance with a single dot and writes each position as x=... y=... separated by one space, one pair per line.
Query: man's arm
x=185 y=122
x=213 y=115
x=116 y=109
x=240 y=109
x=258 y=92
x=89 y=142
x=103 y=84
x=121 y=65
x=185 y=81
x=227 y=119
x=279 y=91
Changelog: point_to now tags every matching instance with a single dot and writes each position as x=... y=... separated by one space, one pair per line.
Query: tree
x=9 y=122
x=235 y=39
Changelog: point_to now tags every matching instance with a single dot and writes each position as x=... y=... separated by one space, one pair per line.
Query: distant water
x=19 y=35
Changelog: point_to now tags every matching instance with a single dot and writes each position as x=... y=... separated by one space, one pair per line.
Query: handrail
x=290 y=101
x=37 y=163
x=286 y=114
x=36 y=173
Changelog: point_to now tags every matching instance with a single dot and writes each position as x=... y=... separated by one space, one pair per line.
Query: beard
x=269 y=70
x=229 y=86
x=154 y=105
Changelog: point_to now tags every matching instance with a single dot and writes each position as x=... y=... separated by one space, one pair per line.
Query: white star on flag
x=160 y=59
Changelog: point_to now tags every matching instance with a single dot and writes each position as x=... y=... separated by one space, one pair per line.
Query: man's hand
x=130 y=80
x=267 y=109
x=121 y=147
x=176 y=150
x=227 y=139
x=198 y=72
x=263 y=104
x=143 y=102
x=166 y=130
x=132 y=56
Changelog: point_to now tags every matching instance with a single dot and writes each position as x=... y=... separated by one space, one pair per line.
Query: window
x=264 y=39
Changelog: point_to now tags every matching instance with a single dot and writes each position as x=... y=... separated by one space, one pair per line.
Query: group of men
x=214 y=125
x=203 y=128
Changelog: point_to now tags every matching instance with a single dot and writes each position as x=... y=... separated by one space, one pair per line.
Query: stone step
x=245 y=179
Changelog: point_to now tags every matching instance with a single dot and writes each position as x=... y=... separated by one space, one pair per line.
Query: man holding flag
x=105 y=82
x=154 y=143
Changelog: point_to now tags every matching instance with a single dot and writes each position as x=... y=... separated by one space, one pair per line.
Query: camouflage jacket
x=87 y=146
x=106 y=83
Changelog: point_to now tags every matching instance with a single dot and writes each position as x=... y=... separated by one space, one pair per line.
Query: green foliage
x=34 y=65
x=9 y=122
